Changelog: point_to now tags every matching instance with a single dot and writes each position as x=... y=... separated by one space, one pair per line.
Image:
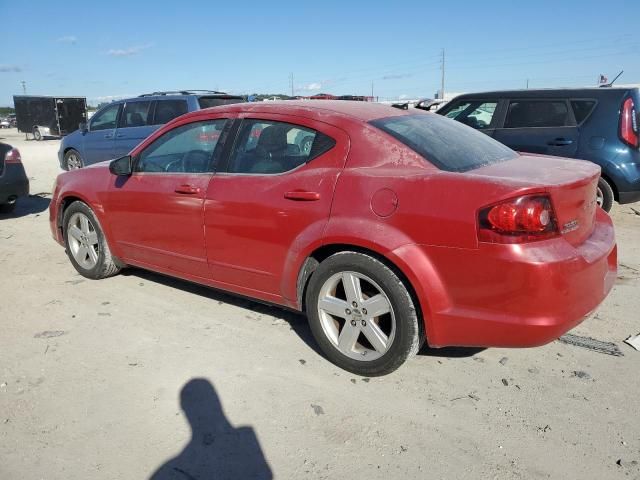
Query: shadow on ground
x=217 y=450
x=33 y=204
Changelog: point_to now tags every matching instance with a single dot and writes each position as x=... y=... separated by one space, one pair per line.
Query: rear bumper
x=13 y=183
x=628 y=197
x=515 y=295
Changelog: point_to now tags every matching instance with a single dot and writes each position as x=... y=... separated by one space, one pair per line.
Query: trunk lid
x=571 y=185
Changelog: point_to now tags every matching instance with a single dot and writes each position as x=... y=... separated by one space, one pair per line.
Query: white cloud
x=68 y=39
x=403 y=96
x=10 y=69
x=311 y=86
x=127 y=52
x=397 y=76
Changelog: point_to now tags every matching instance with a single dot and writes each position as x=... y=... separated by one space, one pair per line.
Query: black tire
x=37 y=135
x=7 y=207
x=408 y=332
x=605 y=193
x=105 y=265
x=69 y=157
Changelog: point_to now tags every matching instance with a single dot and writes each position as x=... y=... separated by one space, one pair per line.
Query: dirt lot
x=91 y=375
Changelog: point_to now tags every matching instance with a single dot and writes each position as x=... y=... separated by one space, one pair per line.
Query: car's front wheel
x=85 y=243
x=72 y=160
x=36 y=134
x=362 y=315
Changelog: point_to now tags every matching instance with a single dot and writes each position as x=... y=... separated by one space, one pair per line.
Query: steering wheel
x=196 y=161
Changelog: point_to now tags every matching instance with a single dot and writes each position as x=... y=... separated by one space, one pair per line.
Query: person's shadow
x=217 y=450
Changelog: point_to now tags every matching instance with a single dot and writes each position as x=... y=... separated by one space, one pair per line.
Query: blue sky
x=112 y=49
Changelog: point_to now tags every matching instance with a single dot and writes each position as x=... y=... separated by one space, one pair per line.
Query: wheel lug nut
x=364 y=311
x=354 y=304
x=347 y=311
x=364 y=323
x=353 y=323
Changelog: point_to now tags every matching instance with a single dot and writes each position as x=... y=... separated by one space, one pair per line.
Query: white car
x=4 y=123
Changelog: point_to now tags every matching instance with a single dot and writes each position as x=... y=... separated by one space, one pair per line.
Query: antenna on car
x=610 y=84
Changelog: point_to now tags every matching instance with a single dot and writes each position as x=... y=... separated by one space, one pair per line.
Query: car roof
x=317 y=109
x=549 y=92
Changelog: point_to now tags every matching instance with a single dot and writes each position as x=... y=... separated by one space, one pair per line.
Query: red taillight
x=523 y=219
x=13 y=156
x=629 y=123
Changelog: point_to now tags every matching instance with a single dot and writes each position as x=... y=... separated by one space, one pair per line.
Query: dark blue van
x=596 y=124
x=116 y=128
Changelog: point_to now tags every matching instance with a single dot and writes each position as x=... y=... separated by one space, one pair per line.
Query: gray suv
x=115 y=129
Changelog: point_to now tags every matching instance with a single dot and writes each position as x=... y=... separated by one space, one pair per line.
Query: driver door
x=156 y=214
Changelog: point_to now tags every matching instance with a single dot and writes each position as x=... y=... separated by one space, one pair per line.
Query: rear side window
x=582 y=109
x=537 y=113
x=167 y=110
x=447 y=144
x=135 y=114
x=208 y=102
x=270 y=147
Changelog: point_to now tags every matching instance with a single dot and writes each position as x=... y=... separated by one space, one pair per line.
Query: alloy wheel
x=356 y=316
x=83 y=241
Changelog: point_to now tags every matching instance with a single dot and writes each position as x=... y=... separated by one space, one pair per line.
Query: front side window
x=167 y=110
x=269 y=147
x=446 y=144
x=105 y=119
x=189 y=148
x=477 y=115
x=537 y=113
x=135 y=114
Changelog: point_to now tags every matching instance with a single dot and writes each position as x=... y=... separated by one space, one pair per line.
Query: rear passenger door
x=135 y=125
x=544 y=126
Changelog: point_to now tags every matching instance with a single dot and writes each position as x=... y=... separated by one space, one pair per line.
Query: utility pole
x=527 y=84
x=442 y=81
x=24 y=87
x=291 y=82
x=372 y=90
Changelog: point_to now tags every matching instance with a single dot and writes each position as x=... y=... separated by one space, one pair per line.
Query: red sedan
x=392 y=228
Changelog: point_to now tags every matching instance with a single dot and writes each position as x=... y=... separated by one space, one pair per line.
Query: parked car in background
x=118 y=127
x=13 y=179
x=596 y=124
x=5 y=123
x=393 y=227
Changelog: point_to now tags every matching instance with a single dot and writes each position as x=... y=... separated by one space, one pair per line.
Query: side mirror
x=83 y=127
x=121 y=166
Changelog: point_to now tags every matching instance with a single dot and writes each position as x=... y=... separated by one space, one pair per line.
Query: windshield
x=445 y=143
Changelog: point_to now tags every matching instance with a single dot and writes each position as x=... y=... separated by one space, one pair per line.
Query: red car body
x=254 y=234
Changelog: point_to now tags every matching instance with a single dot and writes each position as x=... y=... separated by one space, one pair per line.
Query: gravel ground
x=141 y=376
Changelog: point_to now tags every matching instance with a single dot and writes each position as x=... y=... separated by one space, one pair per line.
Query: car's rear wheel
x=72 y=160
x=36 y=134
x=362 y=315
x=604 y=195
x=85 y=243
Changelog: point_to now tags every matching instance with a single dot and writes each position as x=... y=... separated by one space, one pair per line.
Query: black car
x=13 y=179
x=596 y=124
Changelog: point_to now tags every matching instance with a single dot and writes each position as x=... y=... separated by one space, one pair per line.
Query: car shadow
x=33 y=204
x=217 y=449
x=297 y=322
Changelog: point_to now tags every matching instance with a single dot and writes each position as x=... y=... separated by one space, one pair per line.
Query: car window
x=105 y=119
x=135 y=114
x=582 y=109
x=457 y=110
x=445 y=143
x=268 y=147
x=537 y=113
x=207 y=102
x=189 y=148
x=477 y=115
x=167 y=110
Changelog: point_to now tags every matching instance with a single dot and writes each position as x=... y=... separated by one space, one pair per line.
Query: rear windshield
x=207 y=102
x=447 y=144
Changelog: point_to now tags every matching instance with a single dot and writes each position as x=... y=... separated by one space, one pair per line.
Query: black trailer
x=49 y=116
